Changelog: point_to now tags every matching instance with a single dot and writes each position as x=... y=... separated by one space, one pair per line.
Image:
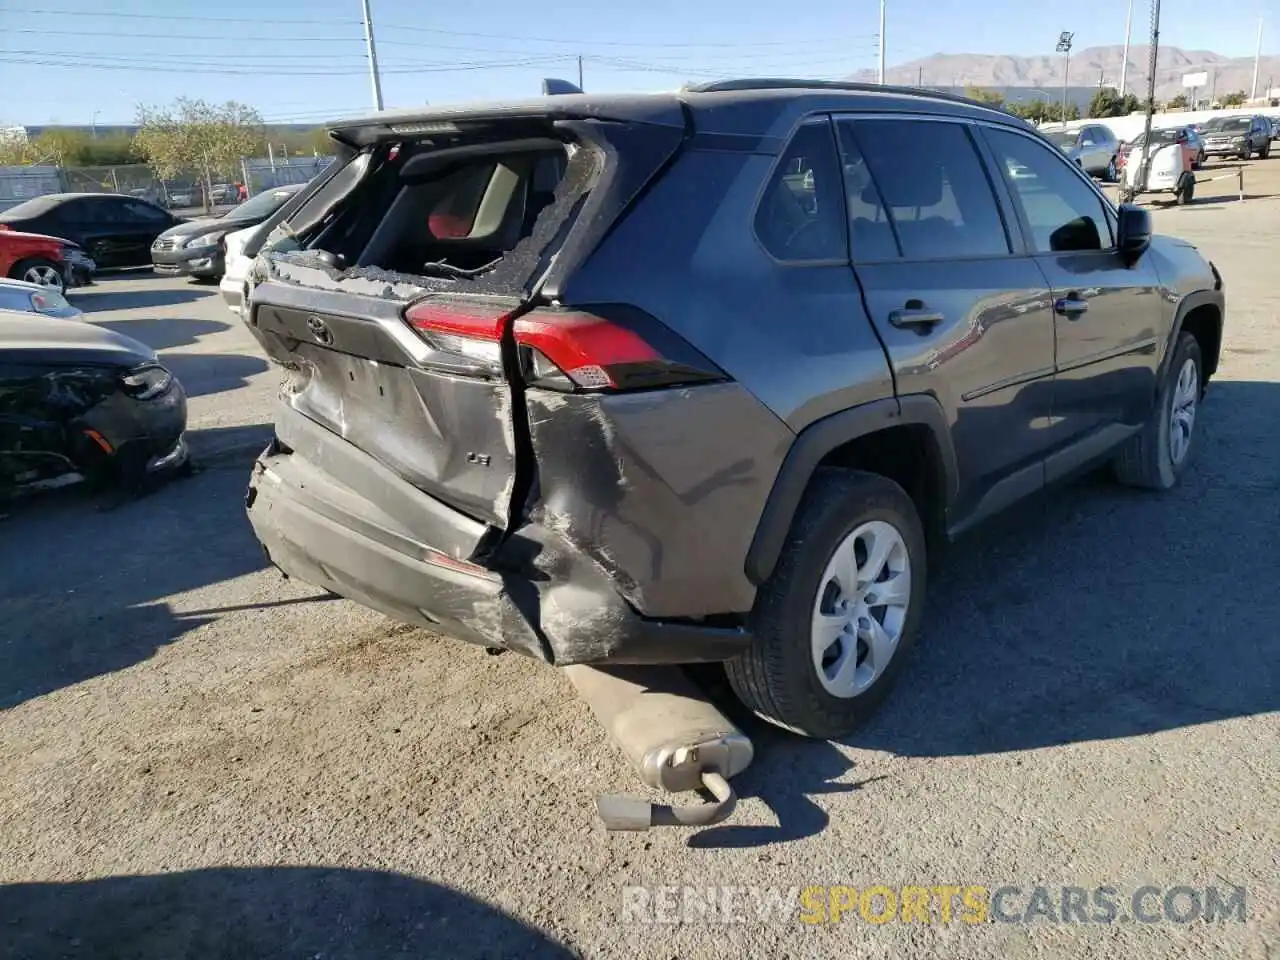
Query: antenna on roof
x=552 y=87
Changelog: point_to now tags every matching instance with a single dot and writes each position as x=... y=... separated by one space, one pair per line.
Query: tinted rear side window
x=801 y=213
x=934 y=186
x=871 y=235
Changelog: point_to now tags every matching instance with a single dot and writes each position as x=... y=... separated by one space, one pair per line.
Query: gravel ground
x=202 y=759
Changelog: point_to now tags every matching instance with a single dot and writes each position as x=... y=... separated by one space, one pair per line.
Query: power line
x=169 y=36
x=144 y=67
x=521 y=38
x=170 y=16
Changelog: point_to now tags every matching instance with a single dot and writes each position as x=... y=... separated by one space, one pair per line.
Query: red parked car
x=42 y=259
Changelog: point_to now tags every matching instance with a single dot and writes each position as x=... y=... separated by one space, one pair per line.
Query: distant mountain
x=1091 y=66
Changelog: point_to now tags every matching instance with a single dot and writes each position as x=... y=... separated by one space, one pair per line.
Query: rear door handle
x=1070 y=307
x=919 y=319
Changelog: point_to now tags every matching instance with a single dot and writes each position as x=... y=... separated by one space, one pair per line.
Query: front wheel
x=1157 y=456
x=44 y=272
x=1111 y=170
x=834 y=623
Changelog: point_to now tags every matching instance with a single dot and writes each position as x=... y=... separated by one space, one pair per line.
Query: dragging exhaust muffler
x=674 y=737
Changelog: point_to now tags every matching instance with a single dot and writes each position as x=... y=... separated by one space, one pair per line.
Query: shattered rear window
x=428 y=218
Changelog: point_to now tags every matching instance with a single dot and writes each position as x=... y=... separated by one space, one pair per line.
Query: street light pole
x=1124 y=66
x=374 y=80
x=882 y=12
x=1257 y=59
x=1064 y=48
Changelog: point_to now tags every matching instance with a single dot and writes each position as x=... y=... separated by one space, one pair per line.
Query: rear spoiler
x=551 y=87
x=564 y=104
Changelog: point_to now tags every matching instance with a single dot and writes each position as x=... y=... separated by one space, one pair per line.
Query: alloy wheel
x=861 y=608
x=1182 y=411
x=44 y=275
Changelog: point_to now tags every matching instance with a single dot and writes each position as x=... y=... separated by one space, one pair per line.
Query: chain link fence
x=139 y=180
x=22 y=183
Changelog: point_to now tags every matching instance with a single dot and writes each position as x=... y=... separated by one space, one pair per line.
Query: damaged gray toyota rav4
x=701 y=376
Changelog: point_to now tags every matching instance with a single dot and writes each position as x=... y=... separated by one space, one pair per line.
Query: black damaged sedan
x=78 y=402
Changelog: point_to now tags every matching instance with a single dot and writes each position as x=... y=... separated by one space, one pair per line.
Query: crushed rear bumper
x=535 y=593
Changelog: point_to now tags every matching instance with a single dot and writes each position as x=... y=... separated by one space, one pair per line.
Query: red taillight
x=569 y=349
x=559 y=349
x=583 y=347
x=469 y=330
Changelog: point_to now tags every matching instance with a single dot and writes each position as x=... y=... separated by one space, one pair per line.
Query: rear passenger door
x=1106 y=314
x=961 y=314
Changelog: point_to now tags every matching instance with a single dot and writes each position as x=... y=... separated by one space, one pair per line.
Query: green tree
x=1107 y=102
x=193 y=136
x=66 y=148
x=983 y=95
x=1177 y=103
x=1235 y=99
x=1033 y=110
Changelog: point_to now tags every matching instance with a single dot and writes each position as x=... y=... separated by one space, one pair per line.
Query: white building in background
x=13 y=135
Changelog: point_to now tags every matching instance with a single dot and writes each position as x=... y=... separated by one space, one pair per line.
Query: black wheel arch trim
x=1193 y=301
x=818 y=439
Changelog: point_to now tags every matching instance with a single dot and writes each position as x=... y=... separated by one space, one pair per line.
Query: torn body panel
x=664 y=504
x=327 y=513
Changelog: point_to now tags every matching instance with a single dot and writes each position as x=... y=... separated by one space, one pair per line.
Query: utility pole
x=1064 y=48
x=1145 y=168
x=1124 y=66
x=1257 y=59
x=373 y=57
x=580 y=86
x=882 y=6
x=920 y=76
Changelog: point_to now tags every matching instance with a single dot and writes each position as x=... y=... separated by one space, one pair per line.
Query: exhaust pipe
x=672 y=735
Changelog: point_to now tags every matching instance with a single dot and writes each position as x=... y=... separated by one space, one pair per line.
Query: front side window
x=1064 y=214
x=138 y=212
x=934 y=187
x=801 y=213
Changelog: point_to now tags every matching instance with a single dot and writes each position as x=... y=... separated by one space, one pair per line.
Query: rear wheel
x=836 y=620
x=1187 y=192
x=1157 y=456
x=1265 y=151
x=44 y=272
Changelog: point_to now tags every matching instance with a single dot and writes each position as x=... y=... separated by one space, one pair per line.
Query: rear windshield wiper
x=438 y=268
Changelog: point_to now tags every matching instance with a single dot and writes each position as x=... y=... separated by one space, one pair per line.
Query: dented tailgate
x=357 y=369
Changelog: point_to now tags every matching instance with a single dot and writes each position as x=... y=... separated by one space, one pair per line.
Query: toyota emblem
x=319 y=330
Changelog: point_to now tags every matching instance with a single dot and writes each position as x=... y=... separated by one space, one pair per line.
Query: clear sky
x=77 y=61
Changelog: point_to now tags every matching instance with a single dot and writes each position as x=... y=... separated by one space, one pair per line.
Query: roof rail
x=782 y=83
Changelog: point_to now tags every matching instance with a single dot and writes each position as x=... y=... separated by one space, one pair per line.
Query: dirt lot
x=201 y=759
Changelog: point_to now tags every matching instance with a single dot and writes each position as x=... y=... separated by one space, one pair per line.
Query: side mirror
x=1135 y=232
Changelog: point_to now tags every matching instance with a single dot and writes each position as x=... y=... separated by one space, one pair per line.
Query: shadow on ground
x=165 y=333
x=82 y=588
x=101 y=297
x=259 y=912
x=1093 y=613
x=202 y=374
x=240 y=444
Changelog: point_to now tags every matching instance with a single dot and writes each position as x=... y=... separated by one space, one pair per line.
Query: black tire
x=1145 y=460
x=1110 y=175
x=776 y=677
x=21 y=268
x=1187 y=192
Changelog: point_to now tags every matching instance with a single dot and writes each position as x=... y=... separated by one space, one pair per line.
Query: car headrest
x=915 y=182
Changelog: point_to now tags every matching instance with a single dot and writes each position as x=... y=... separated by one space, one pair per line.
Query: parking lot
x=202 y=759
